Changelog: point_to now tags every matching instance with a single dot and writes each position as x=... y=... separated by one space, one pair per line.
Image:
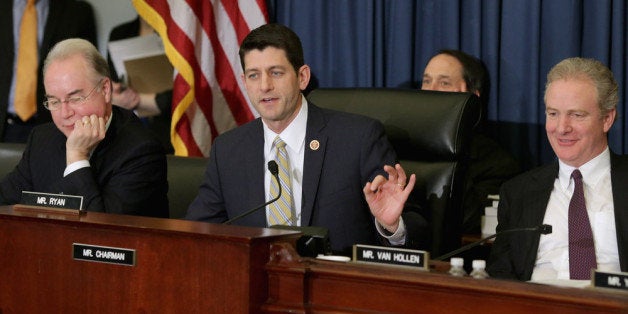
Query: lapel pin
x=314 y=145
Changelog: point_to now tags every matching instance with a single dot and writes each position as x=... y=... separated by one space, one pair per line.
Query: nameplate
x=50 y=200
x=103 y=254
x=610 y=280
x=391 y=256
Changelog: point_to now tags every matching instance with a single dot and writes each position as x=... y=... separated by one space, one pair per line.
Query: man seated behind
x=336 y=169
x=490 y=165
x=590 y=229
x=93 y=150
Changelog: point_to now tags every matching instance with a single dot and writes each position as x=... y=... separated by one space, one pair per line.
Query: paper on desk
x=143 y=63
x=564 y=283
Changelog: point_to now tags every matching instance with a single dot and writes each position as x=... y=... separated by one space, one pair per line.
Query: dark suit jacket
x=489 y=166
x=66 y=19
x=523 y=201
x=353 y=150
x=127 y=173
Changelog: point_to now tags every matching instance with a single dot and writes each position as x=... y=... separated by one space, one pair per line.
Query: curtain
x=387 y=43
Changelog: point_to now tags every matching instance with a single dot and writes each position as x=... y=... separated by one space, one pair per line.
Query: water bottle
x=479 y=271
x=457 y=267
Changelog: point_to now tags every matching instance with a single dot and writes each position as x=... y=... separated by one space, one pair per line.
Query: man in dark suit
x=580 y=98
x=64 y=19
x=336 y=178
x=92 y=150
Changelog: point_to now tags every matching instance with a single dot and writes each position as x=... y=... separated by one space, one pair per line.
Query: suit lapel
x=315 y=145
x=619 y=180
x=541 y=186
x=7 y=53
x=255 y=171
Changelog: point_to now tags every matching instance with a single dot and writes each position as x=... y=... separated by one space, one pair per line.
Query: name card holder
x=610 y=280
x=47 y=205
x=392 y=256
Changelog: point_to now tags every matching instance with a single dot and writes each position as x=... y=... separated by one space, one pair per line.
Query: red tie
x=581 y=247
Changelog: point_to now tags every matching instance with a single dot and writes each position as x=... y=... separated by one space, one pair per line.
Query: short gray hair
x=76 y=46
x=599 y=74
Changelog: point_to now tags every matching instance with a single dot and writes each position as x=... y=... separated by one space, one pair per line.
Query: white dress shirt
x=294 y=137
x=552 y=261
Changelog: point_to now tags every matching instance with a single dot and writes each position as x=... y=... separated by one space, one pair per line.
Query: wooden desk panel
x=308 y=285
x=181 y=266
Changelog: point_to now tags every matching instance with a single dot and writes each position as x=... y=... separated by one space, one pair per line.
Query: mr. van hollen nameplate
x=103 y=254
x=391 y=256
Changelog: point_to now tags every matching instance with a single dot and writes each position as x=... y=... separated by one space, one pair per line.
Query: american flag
x=201 y=39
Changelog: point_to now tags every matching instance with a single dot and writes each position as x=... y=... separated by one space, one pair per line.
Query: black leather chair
x=431 y=132
x=184 y=177
x=10 y=155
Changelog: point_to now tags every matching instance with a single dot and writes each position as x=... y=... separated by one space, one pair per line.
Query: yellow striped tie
x=26 y=73
x=281 y=211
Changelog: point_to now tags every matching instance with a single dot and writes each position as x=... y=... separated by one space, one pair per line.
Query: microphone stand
x=543 y=229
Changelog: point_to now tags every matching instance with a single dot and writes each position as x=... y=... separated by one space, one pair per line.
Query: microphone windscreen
x=545 y=229
x=273 y=168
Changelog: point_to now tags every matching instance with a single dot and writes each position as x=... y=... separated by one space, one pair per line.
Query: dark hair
x=474 y=72
x=277 y=36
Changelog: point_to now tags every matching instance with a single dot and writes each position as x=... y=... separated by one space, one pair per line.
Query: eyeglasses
x=74 y=101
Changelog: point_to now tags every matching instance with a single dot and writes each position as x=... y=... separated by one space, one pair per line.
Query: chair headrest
x=429 y=125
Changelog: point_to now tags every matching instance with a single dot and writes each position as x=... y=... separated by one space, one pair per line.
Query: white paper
x=134 y=48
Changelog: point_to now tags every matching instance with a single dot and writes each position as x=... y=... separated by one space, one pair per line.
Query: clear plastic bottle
x=479 y=271
x=457 y=267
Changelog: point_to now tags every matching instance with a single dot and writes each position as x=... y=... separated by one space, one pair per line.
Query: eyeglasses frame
x=73 y=101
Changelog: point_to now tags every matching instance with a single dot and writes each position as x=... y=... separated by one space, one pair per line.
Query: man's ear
x=304 y=76
x=609 y=118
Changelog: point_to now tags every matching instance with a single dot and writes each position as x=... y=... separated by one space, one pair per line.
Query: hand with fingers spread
x=88 y=132
x=386 y=197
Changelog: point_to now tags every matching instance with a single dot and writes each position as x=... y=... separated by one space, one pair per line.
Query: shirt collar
x=592 y=171
x=294 y=134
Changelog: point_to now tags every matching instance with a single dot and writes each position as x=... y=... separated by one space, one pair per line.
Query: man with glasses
x=92 y=149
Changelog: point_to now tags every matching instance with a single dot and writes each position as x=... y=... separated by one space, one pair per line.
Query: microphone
x=274 y=170
x=542 y=229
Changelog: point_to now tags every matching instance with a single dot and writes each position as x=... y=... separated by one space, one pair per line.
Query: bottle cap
x=479 y=263
x=457 y=261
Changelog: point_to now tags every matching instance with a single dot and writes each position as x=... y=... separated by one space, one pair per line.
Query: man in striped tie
x=336 y=170
x=581 y=194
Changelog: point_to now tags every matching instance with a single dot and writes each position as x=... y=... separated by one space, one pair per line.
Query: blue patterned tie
x=581 y=247
x=281 y=212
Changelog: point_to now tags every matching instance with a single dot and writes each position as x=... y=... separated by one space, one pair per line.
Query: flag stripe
x=202 y=39
x=201 y=126
x=157 y=14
